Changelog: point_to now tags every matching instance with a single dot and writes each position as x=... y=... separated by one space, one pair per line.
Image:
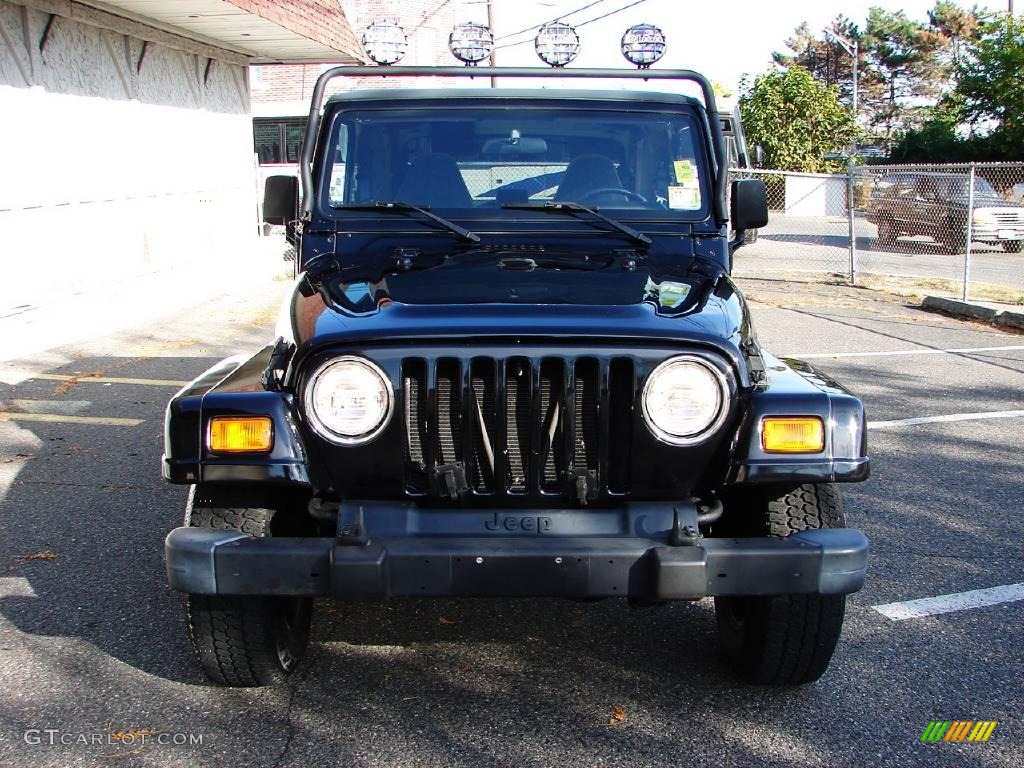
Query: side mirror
x=749 y=204
x=281 y=200
x=749 y=201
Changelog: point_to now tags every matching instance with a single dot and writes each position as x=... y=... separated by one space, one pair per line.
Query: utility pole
x=852 y=48
x=494 y=50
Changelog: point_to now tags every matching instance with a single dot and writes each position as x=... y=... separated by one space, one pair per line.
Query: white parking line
x=961 y=351
x=56 y=418
x=947 y=418
x=109 y=380
x=958 y=601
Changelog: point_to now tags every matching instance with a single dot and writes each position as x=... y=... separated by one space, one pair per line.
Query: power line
x=610 y=13
x=550 y=21
x=577 y=26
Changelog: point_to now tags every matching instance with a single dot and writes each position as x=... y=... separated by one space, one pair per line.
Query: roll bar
x=313 y=123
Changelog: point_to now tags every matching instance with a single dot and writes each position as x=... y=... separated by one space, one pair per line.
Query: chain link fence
x=953 y=229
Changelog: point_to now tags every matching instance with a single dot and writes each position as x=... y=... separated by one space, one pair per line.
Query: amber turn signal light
x=241 y=434
x=797 y=434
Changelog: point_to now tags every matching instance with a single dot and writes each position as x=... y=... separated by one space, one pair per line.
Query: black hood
x=620 y=297
x=526 y=276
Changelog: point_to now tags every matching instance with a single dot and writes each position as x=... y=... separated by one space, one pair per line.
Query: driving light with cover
x=471 y=43
x=240 y=434
x=684 y=400
x=796 y=434
x=385 y=42
x=557 y=44
x=643 y=44
x=348 y=400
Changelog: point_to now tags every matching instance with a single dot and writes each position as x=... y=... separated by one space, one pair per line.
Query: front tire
x=782 y=639
x=887 y=234
x=244 y=640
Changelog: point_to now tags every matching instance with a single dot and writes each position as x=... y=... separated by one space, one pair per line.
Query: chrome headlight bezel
x=321 y=428
x=722 y=394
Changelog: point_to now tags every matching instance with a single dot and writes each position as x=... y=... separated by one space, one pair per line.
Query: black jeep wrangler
x=514 y=364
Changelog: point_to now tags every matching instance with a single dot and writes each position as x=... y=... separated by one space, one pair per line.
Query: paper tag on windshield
x=684 y=198
x=686 y=171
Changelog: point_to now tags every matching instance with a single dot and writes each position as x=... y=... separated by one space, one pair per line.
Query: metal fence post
x=851 y=212
x=969 y=231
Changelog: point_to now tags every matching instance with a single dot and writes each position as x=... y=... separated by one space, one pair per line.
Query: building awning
x=264 y=31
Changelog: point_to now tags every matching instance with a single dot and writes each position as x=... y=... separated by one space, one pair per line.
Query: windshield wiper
x=631 y=233
x=399 y=206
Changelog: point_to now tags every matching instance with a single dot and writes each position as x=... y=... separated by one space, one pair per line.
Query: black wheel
x=242 y=640
x=782 y=639
x=1013 y=246
x=956 y=238
x=887 y=234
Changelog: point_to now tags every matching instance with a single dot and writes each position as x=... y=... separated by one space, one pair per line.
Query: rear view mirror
x=280 y=200
x=514 y=147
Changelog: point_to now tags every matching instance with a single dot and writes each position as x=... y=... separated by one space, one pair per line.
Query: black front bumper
x=203 y=561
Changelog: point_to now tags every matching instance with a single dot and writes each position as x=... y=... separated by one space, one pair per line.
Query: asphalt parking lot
x=93 y=644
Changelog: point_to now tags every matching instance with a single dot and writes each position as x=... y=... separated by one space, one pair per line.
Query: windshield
x=471 y=161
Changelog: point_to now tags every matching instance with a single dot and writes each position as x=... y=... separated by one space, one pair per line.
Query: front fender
x=796 y=389
x=233 y=387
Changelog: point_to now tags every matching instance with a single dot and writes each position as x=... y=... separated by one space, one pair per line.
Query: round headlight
x=385 y=42
x=471 y=43
x=348 y=400
x=557 y=44
x=684 y=400
x=643 y=44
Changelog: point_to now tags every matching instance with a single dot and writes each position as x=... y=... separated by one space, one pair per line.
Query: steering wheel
x=630 y=194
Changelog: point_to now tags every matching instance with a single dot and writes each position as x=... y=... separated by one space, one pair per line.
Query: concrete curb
x=991 y=315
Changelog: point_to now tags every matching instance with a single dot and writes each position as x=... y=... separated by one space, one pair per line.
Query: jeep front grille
x=518 y=426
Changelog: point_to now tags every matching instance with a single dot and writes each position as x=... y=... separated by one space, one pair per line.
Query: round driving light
x=557 y=44
x=348 y=400
x=471 y=43
x=385 y=42
x=684 y=400
x=643 y=44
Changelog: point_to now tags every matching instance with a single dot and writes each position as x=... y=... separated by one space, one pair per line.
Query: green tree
x=990 y=84
x=822 y=55
x=797 y=120
x=906 y=68
x=960 y=26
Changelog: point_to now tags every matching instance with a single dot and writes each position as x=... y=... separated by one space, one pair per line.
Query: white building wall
x=111 y=169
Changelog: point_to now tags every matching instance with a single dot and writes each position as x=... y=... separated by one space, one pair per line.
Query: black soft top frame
x=313 y=123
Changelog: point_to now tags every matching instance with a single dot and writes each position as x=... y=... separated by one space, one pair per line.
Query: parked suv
x=935 y=204
x=515 y=364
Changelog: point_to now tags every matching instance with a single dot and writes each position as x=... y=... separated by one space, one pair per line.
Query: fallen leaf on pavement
x=133 y=735
x=443 y=620
x=618 y=716
x=45 y=555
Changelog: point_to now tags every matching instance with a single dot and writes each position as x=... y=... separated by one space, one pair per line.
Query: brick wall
x=320 y=20
x=426 y=22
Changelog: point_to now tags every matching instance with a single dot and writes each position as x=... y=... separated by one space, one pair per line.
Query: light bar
x=241 y=434
x=557 y=44
x=796 y=434
x=385 y=42
x=471 y=43
x=643 y=44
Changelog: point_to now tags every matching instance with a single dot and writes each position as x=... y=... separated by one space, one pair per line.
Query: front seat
x=586 y=174
x=434 y=180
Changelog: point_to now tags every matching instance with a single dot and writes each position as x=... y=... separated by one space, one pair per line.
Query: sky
x=723 y=39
